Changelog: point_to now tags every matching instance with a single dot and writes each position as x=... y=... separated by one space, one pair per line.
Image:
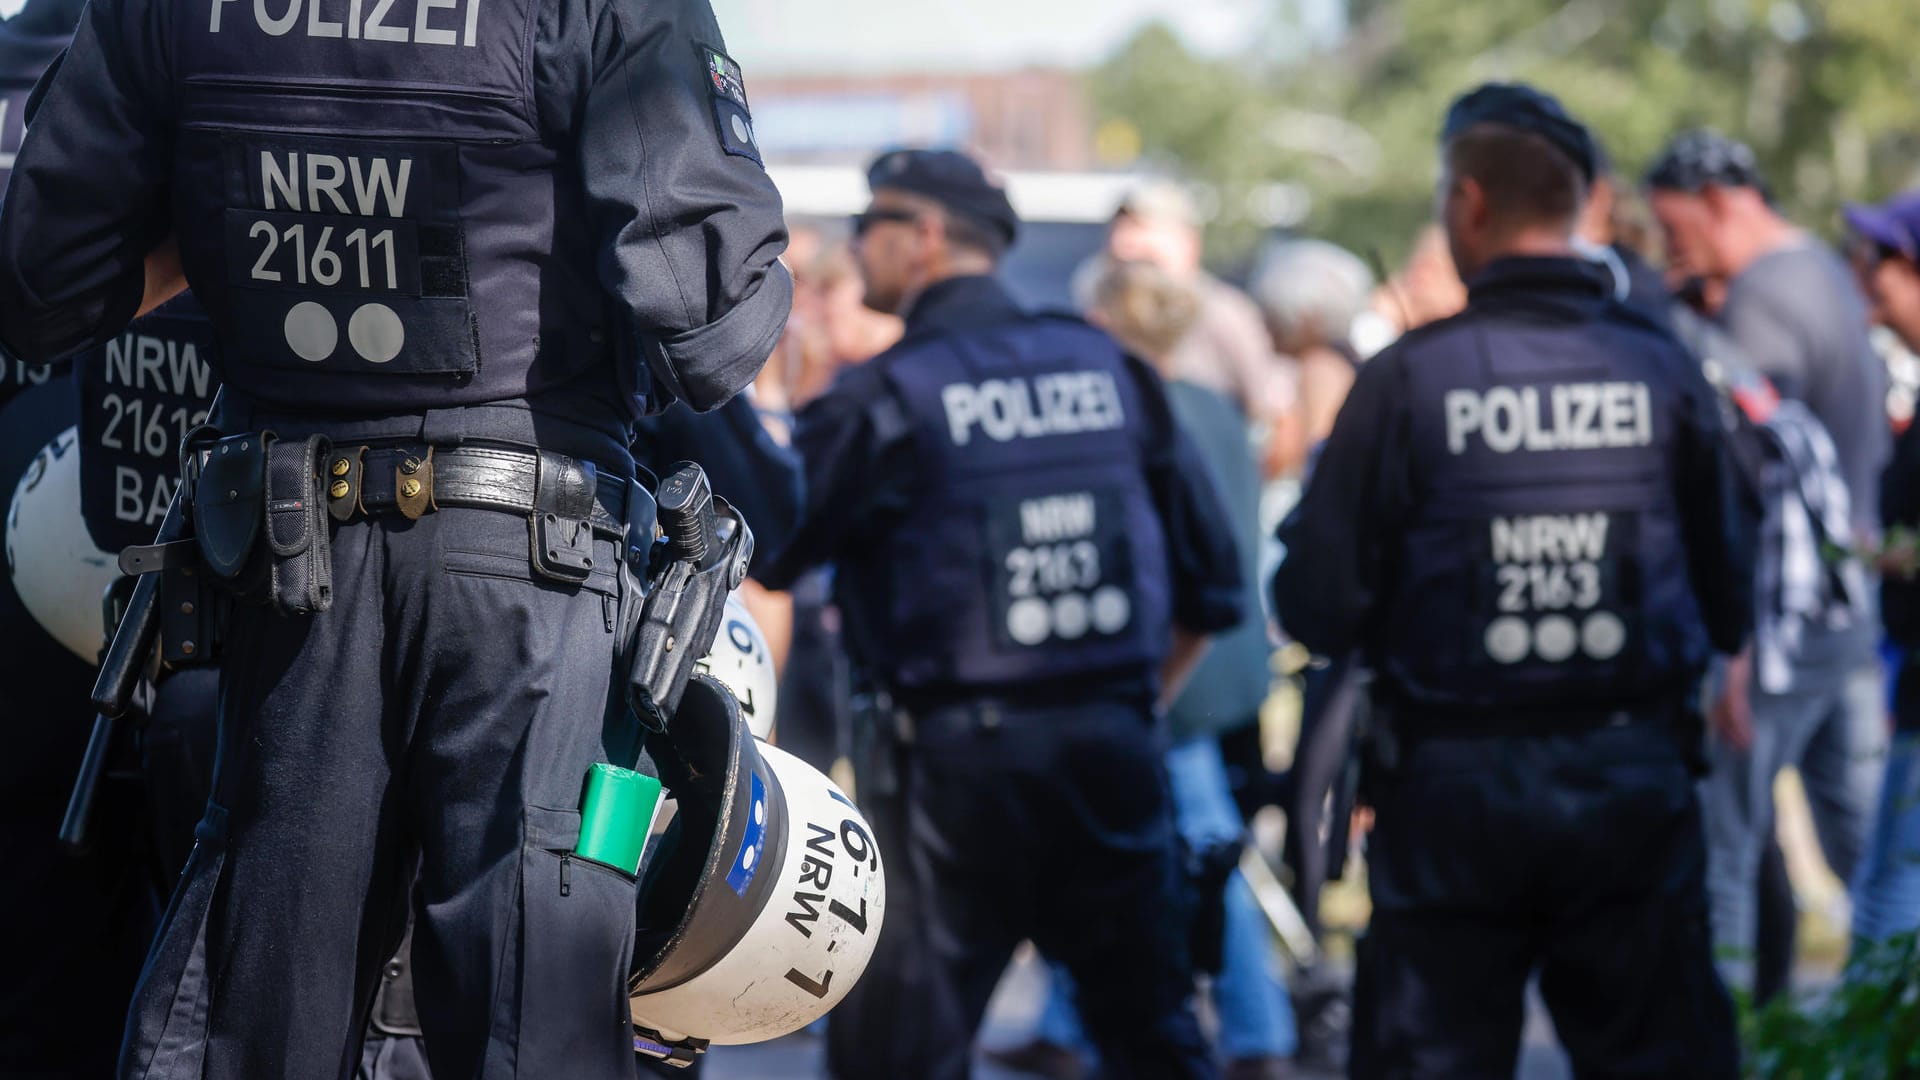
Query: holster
x=1380 y=751
x=877 y=730
x=708 y=548
x=193 y=617
x=1209 y=868
x=260 y=518
x=1690 y=730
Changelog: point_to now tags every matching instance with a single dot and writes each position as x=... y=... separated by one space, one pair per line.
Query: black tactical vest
x=370 y=210
x=1032 y=551
x=1544 y=566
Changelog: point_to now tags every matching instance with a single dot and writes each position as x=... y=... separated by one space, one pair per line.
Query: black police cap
x=1517 y=105
x=1703 y=156
x=952 y=179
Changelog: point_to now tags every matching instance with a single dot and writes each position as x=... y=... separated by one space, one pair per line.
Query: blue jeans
x=1886 y=889
x=1256 y=1019
x=1834 y=729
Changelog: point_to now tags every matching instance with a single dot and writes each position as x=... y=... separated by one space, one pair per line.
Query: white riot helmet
x=58 y=572
x=742 y=663
x=763 y=912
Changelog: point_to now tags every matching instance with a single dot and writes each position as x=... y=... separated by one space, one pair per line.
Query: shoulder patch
x=732 y=117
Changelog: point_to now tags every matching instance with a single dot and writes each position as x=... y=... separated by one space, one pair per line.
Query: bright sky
x=896 y=35
x=904 y=35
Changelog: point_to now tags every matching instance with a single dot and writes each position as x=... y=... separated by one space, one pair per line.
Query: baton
x=120 y=671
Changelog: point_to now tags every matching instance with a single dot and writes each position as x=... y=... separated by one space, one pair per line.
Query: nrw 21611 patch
x=731 y=116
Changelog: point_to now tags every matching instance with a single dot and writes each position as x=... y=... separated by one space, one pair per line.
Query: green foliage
x=1865 y=1028
x=1824 y=92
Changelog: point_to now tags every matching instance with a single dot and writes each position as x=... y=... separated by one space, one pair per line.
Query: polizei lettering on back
x=1067 y=403
x=359 y=20
x=1567 y=416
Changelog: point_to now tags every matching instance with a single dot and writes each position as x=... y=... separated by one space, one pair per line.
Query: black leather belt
x=566 y=501
x=415 y=479
x=1412 y=722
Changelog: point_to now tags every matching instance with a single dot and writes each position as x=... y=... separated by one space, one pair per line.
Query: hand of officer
x=165 y=278
x=1732 y=712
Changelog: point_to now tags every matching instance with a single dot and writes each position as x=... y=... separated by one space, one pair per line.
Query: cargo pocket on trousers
x=577 y=947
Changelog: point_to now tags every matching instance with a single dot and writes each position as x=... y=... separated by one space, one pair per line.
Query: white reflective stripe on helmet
x=815 y=896
x=743 y=663
x=58 y=572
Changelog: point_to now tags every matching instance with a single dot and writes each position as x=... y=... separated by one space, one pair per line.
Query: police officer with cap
x=1523 y=517
x=451 y=252
x=1027 y=553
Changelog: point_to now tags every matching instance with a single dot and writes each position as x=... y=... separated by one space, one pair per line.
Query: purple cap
x=1893 y=224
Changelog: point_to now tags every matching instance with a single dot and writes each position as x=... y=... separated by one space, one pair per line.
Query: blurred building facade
x=1035 y=119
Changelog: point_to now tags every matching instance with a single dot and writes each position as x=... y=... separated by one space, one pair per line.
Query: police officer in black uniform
x=1021 y=539
x=1524 y=518
x=451 y=252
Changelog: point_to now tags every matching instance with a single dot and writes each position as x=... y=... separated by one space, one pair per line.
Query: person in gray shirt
x=1792 y=307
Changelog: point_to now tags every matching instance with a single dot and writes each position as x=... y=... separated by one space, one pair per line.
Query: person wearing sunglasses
x=1028 y=555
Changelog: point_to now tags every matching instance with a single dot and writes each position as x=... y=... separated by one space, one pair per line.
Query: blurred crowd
x=1803 y=341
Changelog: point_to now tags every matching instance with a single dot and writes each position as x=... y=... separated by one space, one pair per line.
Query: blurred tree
x=1823 y=91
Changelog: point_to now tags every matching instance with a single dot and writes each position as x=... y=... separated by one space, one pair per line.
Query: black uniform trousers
x=177 y=744
x=1578 y=856
x=445 y=710
x=1049 y=824
x=72 y=930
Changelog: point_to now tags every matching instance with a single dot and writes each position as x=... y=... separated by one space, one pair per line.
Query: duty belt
x=1414 y=722
x=415 y=480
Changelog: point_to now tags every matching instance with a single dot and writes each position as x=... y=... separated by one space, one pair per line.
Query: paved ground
x=1015 y=1005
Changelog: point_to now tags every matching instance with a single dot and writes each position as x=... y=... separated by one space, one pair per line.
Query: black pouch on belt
x=261 y=520
x=229 y=511
x=561 y=523
x=301 y=567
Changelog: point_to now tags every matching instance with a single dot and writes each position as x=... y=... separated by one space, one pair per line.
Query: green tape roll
x=617 y=816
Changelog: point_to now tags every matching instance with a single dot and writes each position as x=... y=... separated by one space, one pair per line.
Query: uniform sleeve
x=1328 y=583
x=1716 y=516
x=844 y=438
x=1203 y=560
x=689 y=224
x=90 y=189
